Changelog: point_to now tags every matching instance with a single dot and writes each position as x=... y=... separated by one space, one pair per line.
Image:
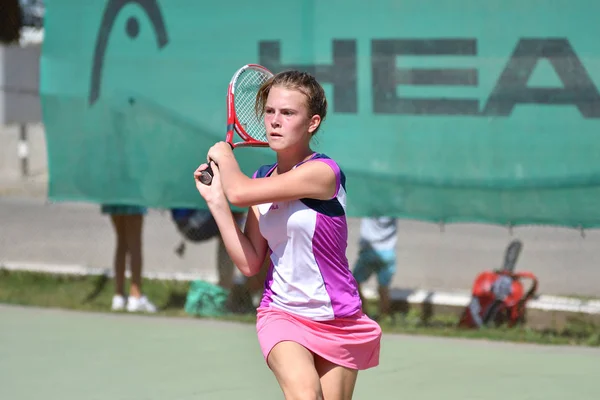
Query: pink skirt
x=352 y=342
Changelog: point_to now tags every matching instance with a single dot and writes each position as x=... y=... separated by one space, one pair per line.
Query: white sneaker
x=141 y=304
x=118 y=303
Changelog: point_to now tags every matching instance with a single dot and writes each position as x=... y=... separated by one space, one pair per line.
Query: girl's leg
x=337 y=382
x=133 y=228
x=294 y=368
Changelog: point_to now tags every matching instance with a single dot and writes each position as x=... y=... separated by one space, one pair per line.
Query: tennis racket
x=241 y=114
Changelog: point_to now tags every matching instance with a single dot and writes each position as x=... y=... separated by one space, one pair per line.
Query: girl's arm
x=313 y=179
x=247 y=250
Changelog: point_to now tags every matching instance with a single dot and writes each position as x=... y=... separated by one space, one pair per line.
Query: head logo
x=132 y=28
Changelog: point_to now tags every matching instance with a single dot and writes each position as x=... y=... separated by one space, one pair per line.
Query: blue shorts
x=381 y=262
x=118 y=209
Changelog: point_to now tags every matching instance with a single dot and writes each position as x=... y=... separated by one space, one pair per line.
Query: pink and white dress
x=310 y=296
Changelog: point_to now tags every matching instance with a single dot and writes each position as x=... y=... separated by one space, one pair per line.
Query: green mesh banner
x=449 y=111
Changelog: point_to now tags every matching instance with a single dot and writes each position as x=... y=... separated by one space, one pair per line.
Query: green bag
x=206 y=300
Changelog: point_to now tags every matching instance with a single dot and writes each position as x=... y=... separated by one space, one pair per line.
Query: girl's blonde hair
x=296 y=80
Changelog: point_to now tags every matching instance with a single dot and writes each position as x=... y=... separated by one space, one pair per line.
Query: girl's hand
x=218 y=151
x=213 y=194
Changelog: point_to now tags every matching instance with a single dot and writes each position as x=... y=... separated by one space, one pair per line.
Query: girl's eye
x=268 y=111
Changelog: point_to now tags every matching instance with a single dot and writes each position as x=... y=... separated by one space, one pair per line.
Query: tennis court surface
x=63 y=355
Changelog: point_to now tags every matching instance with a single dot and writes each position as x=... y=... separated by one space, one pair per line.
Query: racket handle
x=206 y=176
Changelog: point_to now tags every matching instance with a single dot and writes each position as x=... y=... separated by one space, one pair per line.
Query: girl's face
x=286 y=119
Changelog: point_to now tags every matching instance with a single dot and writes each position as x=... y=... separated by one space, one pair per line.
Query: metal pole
x=23 y=150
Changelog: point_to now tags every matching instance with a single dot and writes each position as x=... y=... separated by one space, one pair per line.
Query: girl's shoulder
x=264 y=170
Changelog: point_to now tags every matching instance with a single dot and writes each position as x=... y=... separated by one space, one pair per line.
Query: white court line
x=419 y=296
x=75 y=269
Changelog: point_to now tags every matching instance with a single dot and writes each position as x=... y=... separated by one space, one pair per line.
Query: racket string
x=246 y=89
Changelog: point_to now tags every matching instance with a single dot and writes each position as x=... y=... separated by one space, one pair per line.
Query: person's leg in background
x=363 y=269
x=120 y=258
x=383 y=263
x=225 y=267
x=127 y=223
x=387 y=269
x=384 y=301
x=255 y=284
x=133 y=232
x=240 y=294
x=136 y=302
x=378 y=238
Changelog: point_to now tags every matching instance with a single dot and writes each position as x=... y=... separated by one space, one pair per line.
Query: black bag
x=195 y=225
x=11 y=21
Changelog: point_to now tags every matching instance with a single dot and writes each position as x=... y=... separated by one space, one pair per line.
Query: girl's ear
x=314 y=123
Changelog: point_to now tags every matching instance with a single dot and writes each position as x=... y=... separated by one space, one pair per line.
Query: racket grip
x=206 y=176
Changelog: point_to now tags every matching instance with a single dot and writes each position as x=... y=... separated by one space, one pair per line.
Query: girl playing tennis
x=311 y=329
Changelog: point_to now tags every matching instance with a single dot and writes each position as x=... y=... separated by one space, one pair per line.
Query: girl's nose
x=275 y=120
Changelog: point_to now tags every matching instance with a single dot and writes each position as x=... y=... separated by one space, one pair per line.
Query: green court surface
x=61 y=355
